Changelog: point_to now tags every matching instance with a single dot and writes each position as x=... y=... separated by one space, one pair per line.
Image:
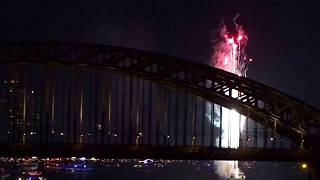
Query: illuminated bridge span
x=75 y=99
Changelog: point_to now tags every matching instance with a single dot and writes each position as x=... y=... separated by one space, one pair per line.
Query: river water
x=114 y=169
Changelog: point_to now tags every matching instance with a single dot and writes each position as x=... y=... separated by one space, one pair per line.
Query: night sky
x=284 y=36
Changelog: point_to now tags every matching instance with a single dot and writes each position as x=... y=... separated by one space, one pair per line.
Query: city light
x=304 y=165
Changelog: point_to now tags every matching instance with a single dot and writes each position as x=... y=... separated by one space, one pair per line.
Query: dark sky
x=284 y=36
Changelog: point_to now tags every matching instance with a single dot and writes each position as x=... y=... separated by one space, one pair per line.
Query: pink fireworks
x=229 y=51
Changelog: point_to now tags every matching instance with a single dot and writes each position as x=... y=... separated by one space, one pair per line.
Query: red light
x=240 y=37
x=34 y=173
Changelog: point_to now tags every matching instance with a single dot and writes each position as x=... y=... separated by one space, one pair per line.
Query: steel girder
x=286 y=115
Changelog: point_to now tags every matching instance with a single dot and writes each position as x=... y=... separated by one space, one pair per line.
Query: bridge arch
x=283 y=114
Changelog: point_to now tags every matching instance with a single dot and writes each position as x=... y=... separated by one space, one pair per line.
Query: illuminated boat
x=53 y=166
x=34 y=175
x=29 y=166
x=145 y=165
x=78 y=168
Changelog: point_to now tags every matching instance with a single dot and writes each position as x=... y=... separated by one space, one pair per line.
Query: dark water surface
x=66 y=169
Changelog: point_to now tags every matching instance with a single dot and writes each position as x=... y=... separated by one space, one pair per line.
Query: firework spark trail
x=229 y=50
x=229 y=55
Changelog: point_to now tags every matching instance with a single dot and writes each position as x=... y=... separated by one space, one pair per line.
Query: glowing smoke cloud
x=229 y=55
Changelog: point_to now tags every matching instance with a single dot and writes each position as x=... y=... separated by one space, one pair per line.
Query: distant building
x=3 y=112
x=19 y=105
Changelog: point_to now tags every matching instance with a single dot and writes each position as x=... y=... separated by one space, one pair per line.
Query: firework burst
x=229 y=50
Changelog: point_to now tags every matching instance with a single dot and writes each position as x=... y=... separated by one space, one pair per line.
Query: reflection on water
x=124 y=169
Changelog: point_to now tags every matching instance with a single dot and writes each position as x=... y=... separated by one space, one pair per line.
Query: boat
x=78 y=168
x=53 y=166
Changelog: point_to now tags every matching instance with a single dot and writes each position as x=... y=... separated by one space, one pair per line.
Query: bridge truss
x=94 y=94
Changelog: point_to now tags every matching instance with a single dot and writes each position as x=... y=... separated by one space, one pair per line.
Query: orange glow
x=304 y=165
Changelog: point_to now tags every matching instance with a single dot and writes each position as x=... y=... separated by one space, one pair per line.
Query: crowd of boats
x=33 y=168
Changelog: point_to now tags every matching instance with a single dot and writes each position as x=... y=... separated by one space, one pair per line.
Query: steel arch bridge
x=71 y=98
